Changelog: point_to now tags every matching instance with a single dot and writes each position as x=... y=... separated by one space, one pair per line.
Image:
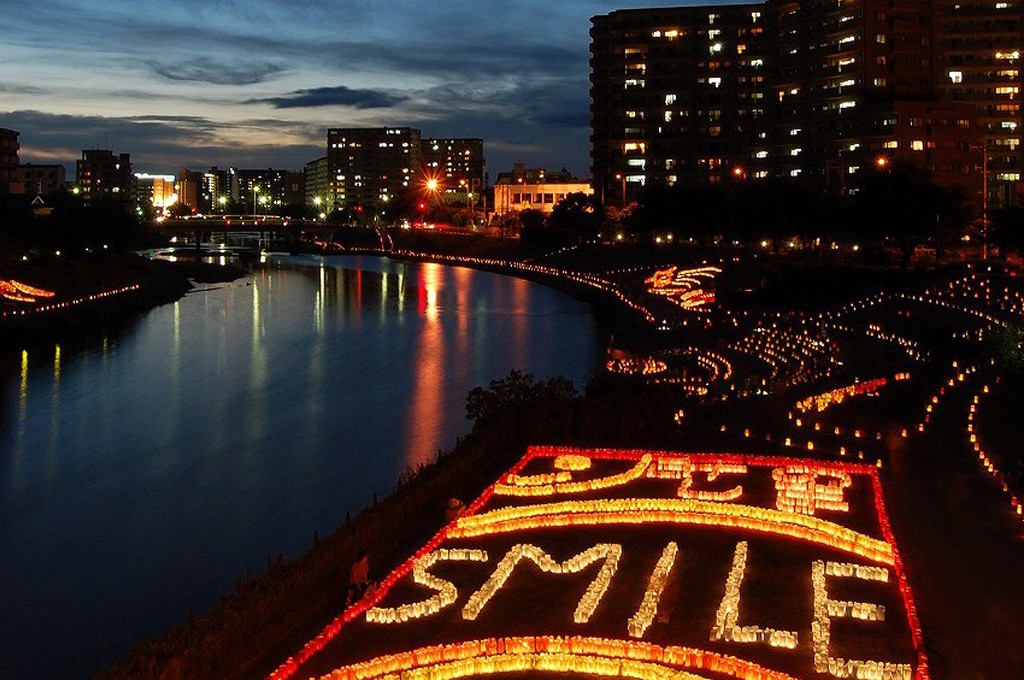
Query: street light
x=255 y=194
x=622 y=178
x=984 y=198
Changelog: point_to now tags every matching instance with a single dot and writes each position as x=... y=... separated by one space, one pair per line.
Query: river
x=144 y=470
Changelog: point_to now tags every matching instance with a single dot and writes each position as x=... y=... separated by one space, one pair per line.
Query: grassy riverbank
x=91 y=291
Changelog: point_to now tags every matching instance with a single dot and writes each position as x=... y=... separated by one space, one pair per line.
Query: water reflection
x=230 y=426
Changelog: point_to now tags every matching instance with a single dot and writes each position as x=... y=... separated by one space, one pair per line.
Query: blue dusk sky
x=255 y=84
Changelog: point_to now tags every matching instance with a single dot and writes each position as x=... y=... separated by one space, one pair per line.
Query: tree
x=517 y=390
x=1006 y=228
x=577 y=216
x=903 y=203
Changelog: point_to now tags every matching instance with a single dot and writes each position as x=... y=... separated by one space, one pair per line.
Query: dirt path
x=963 y=548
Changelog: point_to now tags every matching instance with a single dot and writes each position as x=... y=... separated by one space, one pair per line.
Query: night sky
x=256 y=84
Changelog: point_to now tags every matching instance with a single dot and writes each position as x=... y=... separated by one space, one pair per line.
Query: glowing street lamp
x=622 y=178
x=882 y=162
x=255 y=195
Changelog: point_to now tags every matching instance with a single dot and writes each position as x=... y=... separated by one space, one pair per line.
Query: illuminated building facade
x=978 y=49
x=842 y=70
x=156 y=192
x=458 y=165
x=371 y=168
x=679 y=95
x=43 y=179
x=534 y=189
x=9 y=178
x=815 y=89
x=101 y=174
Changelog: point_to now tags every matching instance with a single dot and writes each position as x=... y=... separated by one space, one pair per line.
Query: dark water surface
x=145 y=471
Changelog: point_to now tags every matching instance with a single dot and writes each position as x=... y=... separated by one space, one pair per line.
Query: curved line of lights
x=590 y=656
x=674 y=511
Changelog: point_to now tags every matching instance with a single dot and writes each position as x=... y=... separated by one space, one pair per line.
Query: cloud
x=167 y=143
x=205 y=70
x=334 y=96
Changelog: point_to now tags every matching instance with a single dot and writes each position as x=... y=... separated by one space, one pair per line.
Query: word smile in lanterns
x=644 y=564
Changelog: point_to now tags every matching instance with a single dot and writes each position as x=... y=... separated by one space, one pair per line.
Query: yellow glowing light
x=672 y=511
x=640 y=621
x=610 y=553
x=727 y=625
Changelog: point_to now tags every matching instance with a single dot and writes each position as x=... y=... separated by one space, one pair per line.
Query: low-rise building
x=535 y=189
x=43 y=179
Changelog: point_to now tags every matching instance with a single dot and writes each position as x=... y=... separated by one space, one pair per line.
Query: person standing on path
x=358 y=578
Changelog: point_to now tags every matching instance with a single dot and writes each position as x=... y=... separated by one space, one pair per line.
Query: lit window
x=880 y=82
x=917 y=145
x=892 y=144
x=761 y=154
x=717 y=47
x=956 y=76
x=716 y=81
x=880 y=38
x=670 y=99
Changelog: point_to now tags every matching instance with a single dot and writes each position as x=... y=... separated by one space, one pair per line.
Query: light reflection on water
x=144 y=472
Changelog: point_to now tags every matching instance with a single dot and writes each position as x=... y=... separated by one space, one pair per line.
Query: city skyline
x=198 y=84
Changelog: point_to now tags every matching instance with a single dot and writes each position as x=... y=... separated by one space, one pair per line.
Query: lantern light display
x=727 y=625
x=488 y=517
x=446 y=590
x=644 y=616
x=22 y=292
x=608 y=552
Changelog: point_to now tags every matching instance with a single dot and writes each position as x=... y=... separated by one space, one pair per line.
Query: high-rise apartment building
x=100 y=174
x=978 y=57
x=679 y=95
x=458 y=165
x=815 y=89
x=10 y=182
x=370 y=169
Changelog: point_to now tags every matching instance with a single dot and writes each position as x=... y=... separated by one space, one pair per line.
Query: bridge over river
x=242 y=233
